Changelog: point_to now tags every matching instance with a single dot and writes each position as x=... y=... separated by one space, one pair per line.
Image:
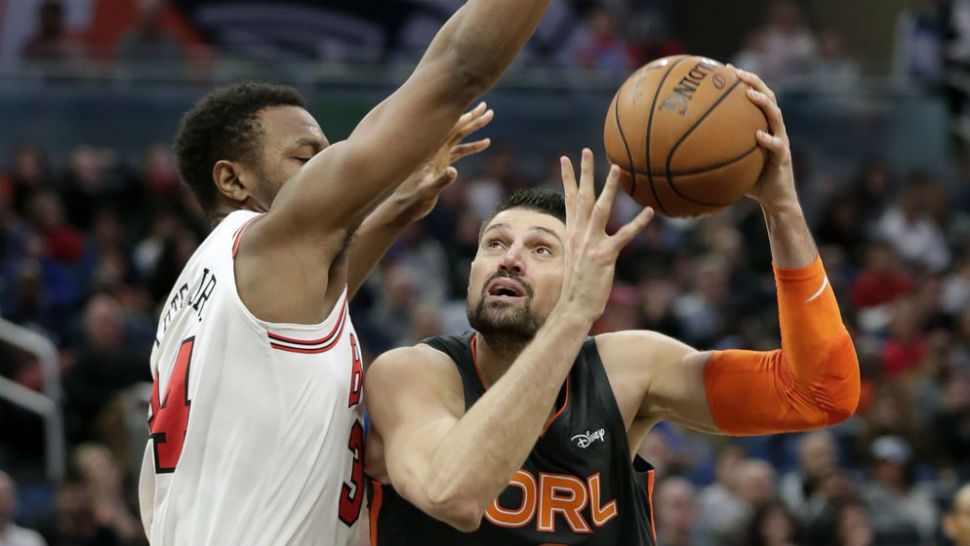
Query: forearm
x=484 y=37
x=371 y=241
x=812 y=381
x=476 y=458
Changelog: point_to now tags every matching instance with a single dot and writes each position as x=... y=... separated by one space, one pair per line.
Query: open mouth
x=505 y=288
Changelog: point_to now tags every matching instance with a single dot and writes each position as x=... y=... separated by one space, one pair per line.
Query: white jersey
x=256 y=428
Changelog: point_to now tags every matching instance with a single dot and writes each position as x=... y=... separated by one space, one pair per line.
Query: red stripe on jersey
x=237 y=237
x=316 y=350
x=375 y=510
x=324 y=339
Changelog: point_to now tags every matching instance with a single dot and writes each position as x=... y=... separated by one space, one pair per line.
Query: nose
x=512 y=260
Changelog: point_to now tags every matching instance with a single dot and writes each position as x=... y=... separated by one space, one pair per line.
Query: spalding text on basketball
x=679 y=100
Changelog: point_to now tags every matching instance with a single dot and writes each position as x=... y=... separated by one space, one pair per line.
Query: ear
x=226 y=176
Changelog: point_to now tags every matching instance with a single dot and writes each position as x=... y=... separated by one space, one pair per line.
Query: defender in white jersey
x=256 y=435
x=260 y=436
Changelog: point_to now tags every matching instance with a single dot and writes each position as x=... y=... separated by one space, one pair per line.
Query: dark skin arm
x=291 y=265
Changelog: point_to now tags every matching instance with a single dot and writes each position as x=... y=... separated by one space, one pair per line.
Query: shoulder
x=637 y=346
x=419 y=364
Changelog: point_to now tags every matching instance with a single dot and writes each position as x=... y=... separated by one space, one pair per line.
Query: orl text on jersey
x=552 y=495
x=180 y=300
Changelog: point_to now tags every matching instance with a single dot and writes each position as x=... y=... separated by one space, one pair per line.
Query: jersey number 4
x=170 y=417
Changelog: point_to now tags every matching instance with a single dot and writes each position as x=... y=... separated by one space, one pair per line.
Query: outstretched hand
x=590 y=252
x=417 y=195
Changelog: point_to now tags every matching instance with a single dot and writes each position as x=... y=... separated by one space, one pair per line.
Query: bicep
x=667 y=375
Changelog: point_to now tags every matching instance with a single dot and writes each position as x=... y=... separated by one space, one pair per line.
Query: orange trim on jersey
x=474 y=347
x=375 y=510
x=237 y=237
x=312 y=346
x=653 y=526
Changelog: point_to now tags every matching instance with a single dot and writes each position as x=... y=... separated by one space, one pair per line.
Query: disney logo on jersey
x=585 y=439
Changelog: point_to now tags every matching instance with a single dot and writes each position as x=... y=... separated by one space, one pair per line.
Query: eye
x=495 y=243
x=302 y=159
x=544 y=250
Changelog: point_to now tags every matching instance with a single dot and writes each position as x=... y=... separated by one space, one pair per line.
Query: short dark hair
x=223 y=125
x=542 y=200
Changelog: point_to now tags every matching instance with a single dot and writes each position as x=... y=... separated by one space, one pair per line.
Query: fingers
x=446 y=178
x=626 y=233
x=604 y=205
x=568 y=186
x=587 y=192
x=776 y=145
x=469 y=148
x=756 y=82
x=771 y=110
x=472 y=121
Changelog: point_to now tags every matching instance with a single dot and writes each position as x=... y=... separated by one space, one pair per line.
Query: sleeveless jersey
x=577 y=486
x=256 y=428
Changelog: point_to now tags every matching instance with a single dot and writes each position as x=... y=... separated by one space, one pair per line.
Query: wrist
x=787 y=206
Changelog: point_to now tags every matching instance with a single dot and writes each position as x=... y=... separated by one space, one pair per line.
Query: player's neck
x=494 y=357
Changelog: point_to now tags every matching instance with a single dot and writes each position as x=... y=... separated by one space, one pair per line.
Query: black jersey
x=578 y=485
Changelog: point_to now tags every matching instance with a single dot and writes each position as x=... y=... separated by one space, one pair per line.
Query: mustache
x=508 y=275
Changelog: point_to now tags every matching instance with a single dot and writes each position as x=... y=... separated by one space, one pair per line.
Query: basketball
x=683 y=130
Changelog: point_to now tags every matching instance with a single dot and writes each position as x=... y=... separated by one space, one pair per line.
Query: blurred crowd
x=90 y=248
x=91 y=245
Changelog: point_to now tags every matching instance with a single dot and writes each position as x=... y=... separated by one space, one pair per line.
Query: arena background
x=94 y=228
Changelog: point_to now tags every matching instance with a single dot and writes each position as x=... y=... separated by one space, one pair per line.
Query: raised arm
x=811 y=382
x=452 y=464
x=414 y=198
x=306 y=230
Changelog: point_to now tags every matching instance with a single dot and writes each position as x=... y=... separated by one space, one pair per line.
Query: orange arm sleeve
x=811 y=382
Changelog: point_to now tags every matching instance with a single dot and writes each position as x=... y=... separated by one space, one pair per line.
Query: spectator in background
x=920 y=38
x=601 y=45
x=150 y=40
x=105 y=483
x=883 y=279
x=699 y=311
x=772 y=525
x=952 y=422
x=106 y=364
x=902 y=512
x=676 y=505
x=29 y=172
x=784 y=49
x=852 y=526
x=12 y=534
x=906 y=347
x=63 y=241
x=51 y=41
x=956 y=522
x=909 y=227
x=802 y=489
x=721 y=511
x=834 y=70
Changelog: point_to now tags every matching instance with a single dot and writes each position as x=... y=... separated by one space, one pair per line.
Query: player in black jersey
x=524 y=430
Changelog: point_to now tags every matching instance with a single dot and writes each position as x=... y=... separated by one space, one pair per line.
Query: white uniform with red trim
x=257 y=432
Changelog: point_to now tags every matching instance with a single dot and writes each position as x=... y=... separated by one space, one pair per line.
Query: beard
x=503 y=324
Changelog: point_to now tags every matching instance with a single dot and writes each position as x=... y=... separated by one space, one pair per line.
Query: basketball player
x=256 y=429
x=522 y=431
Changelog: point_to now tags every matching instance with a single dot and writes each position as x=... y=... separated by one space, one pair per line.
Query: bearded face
x=516 y=277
